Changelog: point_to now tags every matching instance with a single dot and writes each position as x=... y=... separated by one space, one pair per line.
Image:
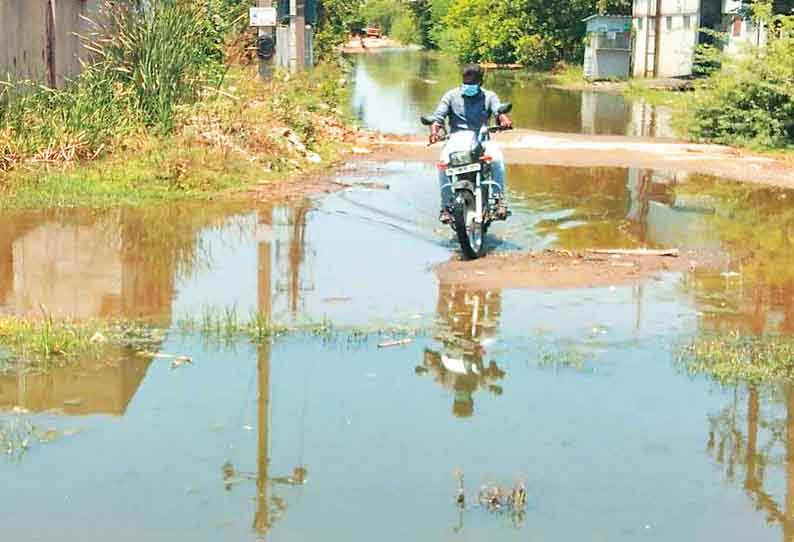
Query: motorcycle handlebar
x=491 y=130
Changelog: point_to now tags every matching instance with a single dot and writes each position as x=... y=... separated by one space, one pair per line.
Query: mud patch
x=563 y=269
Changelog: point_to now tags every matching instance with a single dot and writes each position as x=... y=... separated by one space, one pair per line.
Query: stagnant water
x=576 y=392
x=393 y=89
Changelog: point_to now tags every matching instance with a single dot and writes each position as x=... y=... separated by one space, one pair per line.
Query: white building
x=666 y=32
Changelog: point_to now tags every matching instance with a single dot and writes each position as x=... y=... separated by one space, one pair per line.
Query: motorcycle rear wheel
x=471 y=234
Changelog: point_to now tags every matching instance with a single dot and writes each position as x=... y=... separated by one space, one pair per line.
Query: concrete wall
x=38 y=38
x=678 y=34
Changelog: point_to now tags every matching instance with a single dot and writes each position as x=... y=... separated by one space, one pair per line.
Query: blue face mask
x=470 y=90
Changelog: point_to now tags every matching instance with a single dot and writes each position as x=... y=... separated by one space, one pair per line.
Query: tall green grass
x=147 y=63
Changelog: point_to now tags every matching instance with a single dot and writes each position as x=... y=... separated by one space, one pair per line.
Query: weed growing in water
x=551 y=355
x=16 y=434
x=49 y=342
x=735 y=357
x=226 y=325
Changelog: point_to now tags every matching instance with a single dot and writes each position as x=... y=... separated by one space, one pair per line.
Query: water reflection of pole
x=788 y=520
x=297 y=253
x=751 y=482
x=262 y=517
x=756 y=459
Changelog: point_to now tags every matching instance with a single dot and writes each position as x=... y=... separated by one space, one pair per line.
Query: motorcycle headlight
x=461 y=158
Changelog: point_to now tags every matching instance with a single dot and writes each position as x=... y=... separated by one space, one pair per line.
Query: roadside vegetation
x=744 y=100
x=534 y=33
x=750 y=100
x=171 y=107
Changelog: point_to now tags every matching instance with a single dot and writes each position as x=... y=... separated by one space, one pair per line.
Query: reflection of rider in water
x=467 y=322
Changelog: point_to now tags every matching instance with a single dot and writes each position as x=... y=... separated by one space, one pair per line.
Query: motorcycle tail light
x=487 y=159
x=442 y=166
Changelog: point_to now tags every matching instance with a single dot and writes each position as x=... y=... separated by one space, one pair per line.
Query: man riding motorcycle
x=470 y=107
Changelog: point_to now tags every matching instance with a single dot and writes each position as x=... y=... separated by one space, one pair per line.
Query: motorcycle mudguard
x=463 y=184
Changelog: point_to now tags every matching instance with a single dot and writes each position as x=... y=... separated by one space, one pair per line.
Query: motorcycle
x=467 y=167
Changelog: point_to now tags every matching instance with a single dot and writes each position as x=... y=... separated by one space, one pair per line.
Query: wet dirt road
x=577 y=392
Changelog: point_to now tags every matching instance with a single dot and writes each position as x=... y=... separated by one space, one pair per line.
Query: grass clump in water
x=49 y=342
x=227 y=325
x=735 y=357
x=16 y=435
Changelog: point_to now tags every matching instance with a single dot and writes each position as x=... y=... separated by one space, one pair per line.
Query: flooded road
x=394 y=89
x=578 y=393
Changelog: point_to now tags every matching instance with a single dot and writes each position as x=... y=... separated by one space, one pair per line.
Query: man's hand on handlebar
x=505 y=122
x=435 y=133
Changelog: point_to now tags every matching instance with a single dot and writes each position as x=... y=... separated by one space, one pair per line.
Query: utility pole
x=297 y=35
x=266 y=45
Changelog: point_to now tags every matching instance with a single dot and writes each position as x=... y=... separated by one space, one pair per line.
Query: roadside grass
x=568 y=76
x=166 y=111
x=735 y=358
x=245 y=133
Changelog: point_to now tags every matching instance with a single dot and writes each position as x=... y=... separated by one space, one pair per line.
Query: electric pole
x=297 y=35
x=266 y=44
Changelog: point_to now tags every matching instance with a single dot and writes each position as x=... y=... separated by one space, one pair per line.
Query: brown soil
x=370 y=45
x=562 y=269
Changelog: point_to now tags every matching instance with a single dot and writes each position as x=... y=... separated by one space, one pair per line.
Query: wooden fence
x=39 y=39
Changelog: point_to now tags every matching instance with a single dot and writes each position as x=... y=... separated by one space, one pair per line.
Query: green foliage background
x=750 y=100
x=536 y=33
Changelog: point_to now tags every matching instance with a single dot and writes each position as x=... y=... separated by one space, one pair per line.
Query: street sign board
x=262 y=16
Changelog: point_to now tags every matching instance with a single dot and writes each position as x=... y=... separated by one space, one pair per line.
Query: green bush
x=382 y=12
x=535 y=52
x=751 y=100
x=337 y=19
x=405 y=29
x=538 y=32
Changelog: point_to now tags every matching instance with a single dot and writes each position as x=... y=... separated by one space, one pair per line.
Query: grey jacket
x=467 y=113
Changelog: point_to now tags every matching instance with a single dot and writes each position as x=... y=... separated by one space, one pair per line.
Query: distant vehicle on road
x=373 y=31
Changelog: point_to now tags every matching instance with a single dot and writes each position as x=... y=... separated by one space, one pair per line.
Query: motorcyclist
x=469 y=107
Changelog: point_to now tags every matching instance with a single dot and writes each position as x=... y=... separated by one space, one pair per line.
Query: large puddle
x=393 y=89
x=577 y=393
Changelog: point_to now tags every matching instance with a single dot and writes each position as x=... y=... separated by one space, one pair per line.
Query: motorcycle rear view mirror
x=427 y=121
x=505 y=109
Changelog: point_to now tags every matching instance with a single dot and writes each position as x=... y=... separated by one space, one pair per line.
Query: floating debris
x=400 y=342
x=494 y=498
x=180 y=361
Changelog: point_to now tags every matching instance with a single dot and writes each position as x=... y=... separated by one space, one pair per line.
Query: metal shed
x=608 y=49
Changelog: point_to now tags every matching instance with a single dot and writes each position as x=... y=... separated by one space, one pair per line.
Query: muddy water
x=392 y=90
x=577 y=392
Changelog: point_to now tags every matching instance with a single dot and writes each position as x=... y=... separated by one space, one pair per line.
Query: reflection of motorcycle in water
x=467 y=323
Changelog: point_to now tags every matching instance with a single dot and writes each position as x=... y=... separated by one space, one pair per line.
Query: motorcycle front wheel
x=470 y=233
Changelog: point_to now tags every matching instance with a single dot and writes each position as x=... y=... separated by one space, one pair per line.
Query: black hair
x=472 y=74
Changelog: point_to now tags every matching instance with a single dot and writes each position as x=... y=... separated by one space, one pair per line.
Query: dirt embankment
x=361 y=45
x=563 y=269
x=580 y=150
